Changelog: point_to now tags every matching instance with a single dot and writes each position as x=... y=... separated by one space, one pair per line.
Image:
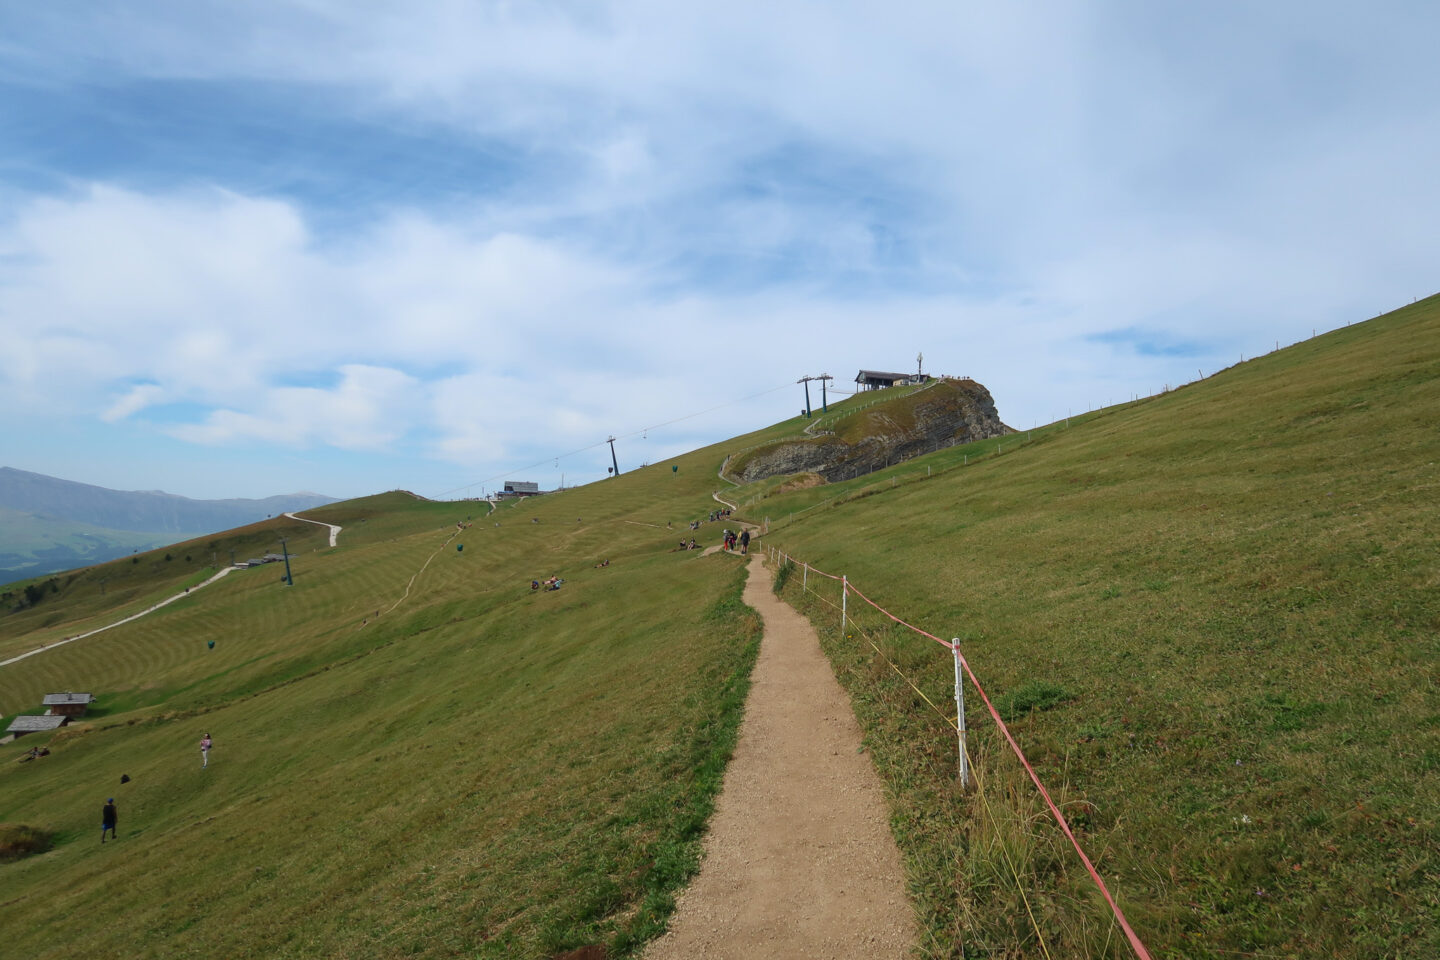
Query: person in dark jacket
x=108 y=819
x=745 y=541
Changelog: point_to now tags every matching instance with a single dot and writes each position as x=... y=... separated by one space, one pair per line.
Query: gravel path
x=334 y=528
x=799 y=860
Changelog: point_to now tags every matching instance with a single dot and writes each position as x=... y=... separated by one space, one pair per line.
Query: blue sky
x=256 y=248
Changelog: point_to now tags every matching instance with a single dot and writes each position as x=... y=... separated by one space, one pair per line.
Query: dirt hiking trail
x=799 y=861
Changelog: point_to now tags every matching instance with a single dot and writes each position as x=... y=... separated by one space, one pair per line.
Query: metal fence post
x=844 y=600
x=960 y=716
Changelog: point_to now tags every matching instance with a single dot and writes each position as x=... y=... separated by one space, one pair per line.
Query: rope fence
x=962 y=666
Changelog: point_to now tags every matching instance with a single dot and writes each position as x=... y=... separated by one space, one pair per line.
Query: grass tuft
x=783 y=575
x=1030 y=696
x=18 y=841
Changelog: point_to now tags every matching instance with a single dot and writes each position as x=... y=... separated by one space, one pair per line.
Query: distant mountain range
x=48 y=524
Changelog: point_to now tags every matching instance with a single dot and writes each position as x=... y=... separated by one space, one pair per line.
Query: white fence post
x=844 y=600
x=960 y=715
x=805 y=578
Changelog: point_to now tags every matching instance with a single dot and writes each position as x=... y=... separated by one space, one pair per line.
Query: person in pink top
x=205 y=751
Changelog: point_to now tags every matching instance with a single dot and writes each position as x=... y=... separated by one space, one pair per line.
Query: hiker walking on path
x=205 y=751
x=745 y=541
x=108 y=818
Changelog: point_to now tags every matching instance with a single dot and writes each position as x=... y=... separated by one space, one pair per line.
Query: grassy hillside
x=1214 y=617
x=77 y=601
x=481 y=770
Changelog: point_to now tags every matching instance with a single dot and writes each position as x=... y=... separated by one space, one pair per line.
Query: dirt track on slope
x=799 y=861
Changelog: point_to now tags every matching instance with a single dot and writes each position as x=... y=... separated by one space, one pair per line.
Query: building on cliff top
x=520 y=488
x=877 y=380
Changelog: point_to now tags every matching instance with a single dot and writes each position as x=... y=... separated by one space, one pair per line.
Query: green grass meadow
x=1211 y=618
x=482 y=770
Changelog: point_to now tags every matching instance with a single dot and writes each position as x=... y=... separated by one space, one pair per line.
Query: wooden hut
x=23 y=725
x=67 y=704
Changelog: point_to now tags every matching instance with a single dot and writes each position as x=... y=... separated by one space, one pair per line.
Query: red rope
x=944 y=643
x=1139 y=947
x=1135 y=943
x=812 y=569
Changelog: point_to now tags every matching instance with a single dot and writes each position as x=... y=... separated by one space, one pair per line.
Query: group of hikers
x=553 y=583
x=742 y=538
x=731 y=541
x=714 y=516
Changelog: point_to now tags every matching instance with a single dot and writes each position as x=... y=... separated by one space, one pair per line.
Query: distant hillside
x=32 y=546
x=49 y=524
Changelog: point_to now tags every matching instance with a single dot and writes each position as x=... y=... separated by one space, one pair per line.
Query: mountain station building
x=879 y=380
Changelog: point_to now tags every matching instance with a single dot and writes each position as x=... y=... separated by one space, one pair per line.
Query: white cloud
x=139 y=397
x=370 y=409
x=721 y=198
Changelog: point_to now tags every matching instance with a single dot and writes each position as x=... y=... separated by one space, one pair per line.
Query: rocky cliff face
x=947 y=413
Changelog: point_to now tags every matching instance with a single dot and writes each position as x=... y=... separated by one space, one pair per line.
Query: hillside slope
x=1211 y=616
x=482 y=768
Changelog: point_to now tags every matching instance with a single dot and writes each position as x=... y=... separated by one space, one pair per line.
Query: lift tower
x=806 y=381
x=824 y=407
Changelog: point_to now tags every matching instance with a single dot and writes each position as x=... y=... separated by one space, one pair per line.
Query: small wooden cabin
x=67 y=704
x=23 y=725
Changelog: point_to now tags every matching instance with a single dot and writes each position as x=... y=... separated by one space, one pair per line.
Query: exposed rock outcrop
x=946 y=413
